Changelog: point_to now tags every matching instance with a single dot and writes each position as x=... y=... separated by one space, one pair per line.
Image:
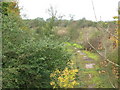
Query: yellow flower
x=74 y=82
x=76 y=70
x=57 y=71
x=65 y=78
x=60 y=79
x=52 y=83
x=65 y=85
x=52 y=74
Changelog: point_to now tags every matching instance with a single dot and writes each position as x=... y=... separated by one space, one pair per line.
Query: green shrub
x=28 y=60
x=33 y=63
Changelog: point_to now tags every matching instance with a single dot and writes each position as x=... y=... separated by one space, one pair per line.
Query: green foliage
x=91 y=55
x=33 y=63
x=27 y=59
x=86 y=23
x=74 y=45
x=36 y=24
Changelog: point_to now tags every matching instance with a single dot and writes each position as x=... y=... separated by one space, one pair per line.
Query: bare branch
x=101 y=54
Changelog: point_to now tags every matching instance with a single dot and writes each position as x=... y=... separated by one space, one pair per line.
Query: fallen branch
x=101 y=54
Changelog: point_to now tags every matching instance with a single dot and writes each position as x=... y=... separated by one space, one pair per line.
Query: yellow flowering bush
x=71 y=64
x=64 y=79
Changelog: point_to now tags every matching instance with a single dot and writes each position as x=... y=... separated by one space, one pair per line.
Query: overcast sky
x=105 y=9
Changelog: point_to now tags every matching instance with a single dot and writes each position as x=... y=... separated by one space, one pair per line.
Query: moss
x=92 y=55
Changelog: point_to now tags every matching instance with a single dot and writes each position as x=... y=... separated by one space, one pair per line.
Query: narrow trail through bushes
x=90 y=74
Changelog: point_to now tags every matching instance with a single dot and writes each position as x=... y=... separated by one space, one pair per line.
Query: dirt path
x=87 y=66
x=89 y=76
